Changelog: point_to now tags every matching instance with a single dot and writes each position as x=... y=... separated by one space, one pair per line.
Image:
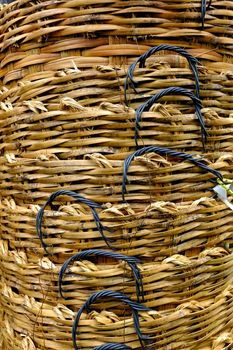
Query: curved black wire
x=92 y=205
x=132 y=262
x=193 y=62
x=113 y=346
x=135 y=308
x=204 y=8
x=170 y=91
x=167 y=152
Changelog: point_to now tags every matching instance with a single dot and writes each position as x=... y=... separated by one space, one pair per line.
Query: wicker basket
x=64 y=125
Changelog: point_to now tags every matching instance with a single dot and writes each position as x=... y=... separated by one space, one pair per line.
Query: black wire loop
x=134 y=306
x=132 y=262
x=166 y=152
x=92 y=205
x=113 y=346
x=204 y=7
x=192 y=61
x=170 y=91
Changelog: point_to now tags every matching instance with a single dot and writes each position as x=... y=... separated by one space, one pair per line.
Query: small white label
x=222 y=194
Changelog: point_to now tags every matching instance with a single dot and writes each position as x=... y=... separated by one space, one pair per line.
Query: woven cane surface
x=70 y=123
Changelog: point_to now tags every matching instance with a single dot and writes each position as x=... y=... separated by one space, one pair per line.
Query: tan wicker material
x=163 y=216
x=166 y=284
x=64 y=125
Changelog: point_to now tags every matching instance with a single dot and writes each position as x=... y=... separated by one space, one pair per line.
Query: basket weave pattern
x=64 y=125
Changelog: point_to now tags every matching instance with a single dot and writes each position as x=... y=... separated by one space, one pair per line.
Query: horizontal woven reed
x=202 y=284
x=176 y=278
x=163 y=215
x=64 y=125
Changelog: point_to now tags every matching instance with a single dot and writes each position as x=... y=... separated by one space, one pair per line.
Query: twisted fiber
x=204 y=8
x=113 y=346
x=167 y=152
x=170 y=91
x=135 y=307
x=92 y=205
x=129 y=81
x=132 y=262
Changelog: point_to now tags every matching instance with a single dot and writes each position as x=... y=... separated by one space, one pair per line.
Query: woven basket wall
x=64 y=125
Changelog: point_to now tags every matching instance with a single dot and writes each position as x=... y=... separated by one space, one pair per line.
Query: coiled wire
x=132 y=262
x=204 y=8
x=193 y=63
x=112 y=346
x=167 y=152
x=134 y=306
x=92 y=205
x=170 y=91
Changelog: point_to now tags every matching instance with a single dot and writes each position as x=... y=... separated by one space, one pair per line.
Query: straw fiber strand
x=163 y=225
x=64 y=125
x=160 y=324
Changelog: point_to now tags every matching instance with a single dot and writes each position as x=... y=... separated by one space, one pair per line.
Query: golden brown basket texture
x=64 y=125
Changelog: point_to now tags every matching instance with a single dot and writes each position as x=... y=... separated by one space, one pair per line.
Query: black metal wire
x=113 y=346
x=167 y=152
x=132 y=262
x=135 y=308
x=193 y=62
x=204 y=7
x=92 y=205
x=6 y=1
x=209 y=4
x=170 y=91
